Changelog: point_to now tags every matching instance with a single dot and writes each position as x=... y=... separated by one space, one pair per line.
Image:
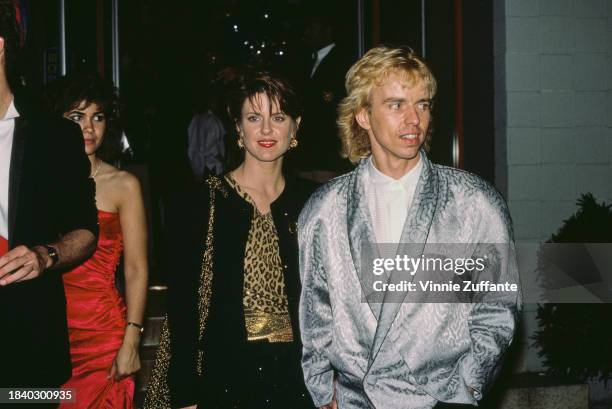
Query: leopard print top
x=264 y=298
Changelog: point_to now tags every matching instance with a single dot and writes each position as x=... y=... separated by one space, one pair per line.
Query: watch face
x=53 y=253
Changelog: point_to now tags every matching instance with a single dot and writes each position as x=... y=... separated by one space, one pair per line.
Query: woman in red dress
x=104 y=333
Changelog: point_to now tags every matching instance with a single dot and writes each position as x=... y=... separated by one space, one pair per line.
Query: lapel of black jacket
x=326 y=62
x=15 y=174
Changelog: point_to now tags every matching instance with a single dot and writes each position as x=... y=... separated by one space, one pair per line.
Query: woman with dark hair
x=231 y=339
x=104 y=333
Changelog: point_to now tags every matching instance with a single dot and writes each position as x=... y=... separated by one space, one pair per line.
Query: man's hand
x=333 y=405
x=22 y=263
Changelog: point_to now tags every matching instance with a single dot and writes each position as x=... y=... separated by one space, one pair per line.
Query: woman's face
x=264 y=129
x=92 y=121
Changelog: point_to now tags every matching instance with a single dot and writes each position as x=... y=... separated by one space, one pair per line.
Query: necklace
x=97 y=169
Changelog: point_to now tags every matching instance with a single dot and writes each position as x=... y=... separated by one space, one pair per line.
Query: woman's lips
x=266 y=143
x=89 y=141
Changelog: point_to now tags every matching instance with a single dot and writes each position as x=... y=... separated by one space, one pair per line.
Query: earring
x=294 y=143
x=240 y=143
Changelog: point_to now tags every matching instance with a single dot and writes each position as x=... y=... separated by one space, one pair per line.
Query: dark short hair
x=67 y=93
x=9 y=31
x=252 y=82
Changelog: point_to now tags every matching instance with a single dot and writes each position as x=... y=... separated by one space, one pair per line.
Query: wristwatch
x=53 y=254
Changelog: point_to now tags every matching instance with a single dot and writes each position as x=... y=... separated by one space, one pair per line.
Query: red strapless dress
x=3 y=246
x=96 y=323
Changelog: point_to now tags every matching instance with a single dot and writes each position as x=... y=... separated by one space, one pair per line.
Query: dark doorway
x=428 y=30
x=456 y=38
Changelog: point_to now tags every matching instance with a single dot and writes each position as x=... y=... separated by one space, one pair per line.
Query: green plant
x=575 y=340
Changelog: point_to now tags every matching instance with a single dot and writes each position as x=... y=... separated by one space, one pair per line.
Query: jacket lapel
x=361 y=234
x=322 y=65
x=15 y=176
x=412 y=243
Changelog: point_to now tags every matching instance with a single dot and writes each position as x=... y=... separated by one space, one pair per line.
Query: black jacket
x=225 y=334
x=50 y=194
x=320 y=143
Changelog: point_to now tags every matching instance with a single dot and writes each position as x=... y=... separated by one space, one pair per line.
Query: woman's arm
x=134 y=228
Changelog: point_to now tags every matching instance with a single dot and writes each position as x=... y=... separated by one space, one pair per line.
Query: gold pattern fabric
x=158 y=391
x=266 y=309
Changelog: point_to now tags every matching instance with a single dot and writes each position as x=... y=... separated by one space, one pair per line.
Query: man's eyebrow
x=398 y=99
x=394 y=99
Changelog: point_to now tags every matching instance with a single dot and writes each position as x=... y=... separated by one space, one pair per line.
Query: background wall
x=553 y=116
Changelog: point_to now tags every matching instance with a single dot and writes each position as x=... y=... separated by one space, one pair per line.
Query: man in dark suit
x=47 y=224
x=319 y=154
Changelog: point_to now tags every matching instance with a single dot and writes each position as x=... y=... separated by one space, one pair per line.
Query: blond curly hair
x=373 y=69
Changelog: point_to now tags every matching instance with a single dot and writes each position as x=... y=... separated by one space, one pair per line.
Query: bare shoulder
x=123 y=186
x=126 y=182
x=126 y=187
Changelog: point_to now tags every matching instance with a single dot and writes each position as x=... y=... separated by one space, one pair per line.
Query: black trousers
x=263 y=376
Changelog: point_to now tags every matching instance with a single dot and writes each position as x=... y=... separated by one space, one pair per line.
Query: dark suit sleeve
x=75 y=206
x=186 y=215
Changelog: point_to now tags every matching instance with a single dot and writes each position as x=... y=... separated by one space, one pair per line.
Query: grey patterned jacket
x=407 y=354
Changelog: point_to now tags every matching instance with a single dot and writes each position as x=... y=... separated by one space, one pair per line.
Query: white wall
x=553 y=103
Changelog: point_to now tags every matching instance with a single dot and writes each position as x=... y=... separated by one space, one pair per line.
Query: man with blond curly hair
x=370 y=340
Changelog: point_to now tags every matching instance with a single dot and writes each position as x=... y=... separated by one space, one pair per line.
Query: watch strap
x=53 y=254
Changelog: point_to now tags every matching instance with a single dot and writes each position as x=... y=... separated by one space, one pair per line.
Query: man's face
x=2 y=51
x=317 y=34
x=397 y=123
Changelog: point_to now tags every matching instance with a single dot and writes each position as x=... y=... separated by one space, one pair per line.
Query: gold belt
x=264 y=325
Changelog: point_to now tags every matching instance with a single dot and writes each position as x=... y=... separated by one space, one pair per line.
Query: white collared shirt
x=389 y=201
x=7 y=128
x=322 y=53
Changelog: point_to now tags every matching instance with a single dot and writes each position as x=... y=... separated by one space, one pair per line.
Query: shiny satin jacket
x=401 y=354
